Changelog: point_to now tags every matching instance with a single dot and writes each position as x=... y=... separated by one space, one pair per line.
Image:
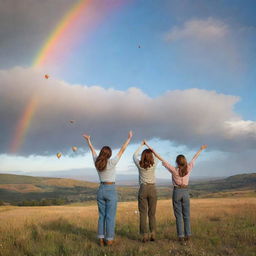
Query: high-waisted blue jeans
x=181 y=207
x=107 y=203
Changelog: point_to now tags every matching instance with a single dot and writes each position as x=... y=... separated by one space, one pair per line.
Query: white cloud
x=226 y=164
x=209 y=50
x=198 y=29
x=240 y=127
x=188 y=117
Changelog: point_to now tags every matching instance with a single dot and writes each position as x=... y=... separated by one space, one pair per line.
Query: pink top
x=176 y=179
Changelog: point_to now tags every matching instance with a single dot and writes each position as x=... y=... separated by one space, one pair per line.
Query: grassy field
x=220 y=226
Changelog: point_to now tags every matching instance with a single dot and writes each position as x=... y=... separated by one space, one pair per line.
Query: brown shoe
x=187 y=239
x=101 y=242
x=109 y=242
x=152 y=236
x=144 y=238
x=181 y=240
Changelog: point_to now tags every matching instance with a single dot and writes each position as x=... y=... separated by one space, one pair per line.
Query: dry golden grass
x=231 y=193
x=220 y=227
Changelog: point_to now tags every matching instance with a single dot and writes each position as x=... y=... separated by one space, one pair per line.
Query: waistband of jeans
x=148 y=184
x=180 y=186
x=107 y=183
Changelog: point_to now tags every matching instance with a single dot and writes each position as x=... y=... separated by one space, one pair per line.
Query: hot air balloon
x=46 y=76
x=71 y=121
x=58 y=155
x=74 y=149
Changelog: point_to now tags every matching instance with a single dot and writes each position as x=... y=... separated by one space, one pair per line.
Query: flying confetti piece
x=58 y=155
x=74 y=149
x=46 y=76
x=71 y=121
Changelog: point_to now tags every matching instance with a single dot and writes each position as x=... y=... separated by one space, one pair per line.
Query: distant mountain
x=89 y=174
x=85 y=174
x=40 y=181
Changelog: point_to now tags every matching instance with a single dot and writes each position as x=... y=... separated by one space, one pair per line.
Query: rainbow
x=23 y=124
x=61 y=30
x=81 y=17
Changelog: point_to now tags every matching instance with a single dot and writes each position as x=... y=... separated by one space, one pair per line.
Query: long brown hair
x=102 y=159
x=147 y=159
x=182 y=164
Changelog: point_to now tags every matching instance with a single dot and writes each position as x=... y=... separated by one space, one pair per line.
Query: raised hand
x=88 y=140
x=130 y=135
x=203 y=147
x=146 y=143
x=86 y=136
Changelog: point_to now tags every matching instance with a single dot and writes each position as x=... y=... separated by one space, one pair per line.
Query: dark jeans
x=147 y=200
x=181 y=207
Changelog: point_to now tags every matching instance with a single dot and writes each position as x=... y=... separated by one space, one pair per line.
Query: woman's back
x=109 y=174
x=146 y=173
x=176 y=178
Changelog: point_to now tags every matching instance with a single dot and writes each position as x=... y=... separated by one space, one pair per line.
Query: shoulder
x=94 y=157
x=191 y=164
x=113 y=161
x=156 y=160
x=168 y=166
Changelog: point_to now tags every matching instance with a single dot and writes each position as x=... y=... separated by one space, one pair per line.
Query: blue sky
x=191 y=63
x=160 y=65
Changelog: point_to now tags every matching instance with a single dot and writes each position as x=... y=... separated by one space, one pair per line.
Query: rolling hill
x=17 y=189
x=236 y=182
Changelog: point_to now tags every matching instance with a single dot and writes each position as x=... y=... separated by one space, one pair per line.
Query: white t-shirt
x=109 y=174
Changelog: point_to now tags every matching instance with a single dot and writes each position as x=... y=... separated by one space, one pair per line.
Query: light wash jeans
x=107 y=203
x=181 y=207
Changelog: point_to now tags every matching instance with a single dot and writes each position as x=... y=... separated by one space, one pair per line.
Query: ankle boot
x=101 y=242
x=144 y=238
x=153 y=236
x=109 y=242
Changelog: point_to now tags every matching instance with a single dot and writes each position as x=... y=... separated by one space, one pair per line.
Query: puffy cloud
x=198 y=29
x=211 y=50
x=231 y=163
x=188 y=117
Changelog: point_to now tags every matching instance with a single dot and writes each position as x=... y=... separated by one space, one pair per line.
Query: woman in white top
x=106 y=196
x=147 y=197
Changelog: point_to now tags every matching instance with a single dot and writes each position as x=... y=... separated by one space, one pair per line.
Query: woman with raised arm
x=107 y=195
x=147 y=197
x=180 y=196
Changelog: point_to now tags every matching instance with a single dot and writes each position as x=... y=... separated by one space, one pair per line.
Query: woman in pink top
x=180 y=196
